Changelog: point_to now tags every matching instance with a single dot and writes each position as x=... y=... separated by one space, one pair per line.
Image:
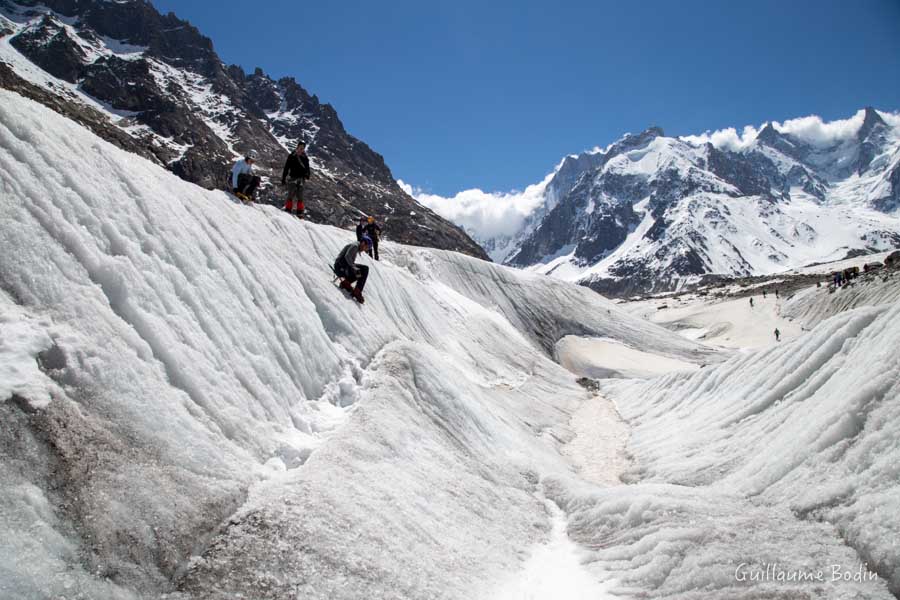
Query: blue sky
x=491 y=95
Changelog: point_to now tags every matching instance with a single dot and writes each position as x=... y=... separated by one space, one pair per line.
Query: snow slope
x=792 y=447
x=211 y=417
x=813 y=305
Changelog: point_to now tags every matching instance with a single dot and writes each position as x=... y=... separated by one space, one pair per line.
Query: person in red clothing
x=296 y=169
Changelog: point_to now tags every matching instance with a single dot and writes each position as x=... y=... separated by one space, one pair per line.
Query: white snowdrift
x=223 y=421
x=600 y=358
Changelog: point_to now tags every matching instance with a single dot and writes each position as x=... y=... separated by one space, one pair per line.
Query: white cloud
x=891 y=118
x=817 y=132
x=483 y=214
x=812 y=130
x=728 y=139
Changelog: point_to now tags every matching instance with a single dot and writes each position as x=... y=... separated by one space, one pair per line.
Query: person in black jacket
x=361 y=228
x=373 y=230
x=296 y=168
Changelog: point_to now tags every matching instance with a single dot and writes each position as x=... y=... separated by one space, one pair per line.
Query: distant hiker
x=751 y=302
x=776 y=292
x=373 y=230
x=346 y=268
x=361 y=227
x=243 y=181
x=764 y=294
x=777 y=335
x=296 y=172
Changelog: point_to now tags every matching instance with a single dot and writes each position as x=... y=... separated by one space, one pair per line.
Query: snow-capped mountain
x=652 y=212
x=153 y=85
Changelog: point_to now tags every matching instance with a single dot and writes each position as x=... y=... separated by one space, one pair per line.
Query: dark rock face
x=872 y=137
x=50 y=47
x=594 y=212
x=597 y=232
x=103 y=79
x=197 y=116
x=750 y=177
x=891 y=202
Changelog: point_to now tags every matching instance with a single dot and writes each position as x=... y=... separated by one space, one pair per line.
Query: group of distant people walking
x=776 y=332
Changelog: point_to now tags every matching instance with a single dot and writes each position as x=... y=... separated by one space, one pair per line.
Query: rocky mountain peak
x=768 y=135
x=872 y=137
x=871 y=122
x=784 y=143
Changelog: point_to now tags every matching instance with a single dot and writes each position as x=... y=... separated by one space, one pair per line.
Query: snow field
x=723 y=323
x=223 y=421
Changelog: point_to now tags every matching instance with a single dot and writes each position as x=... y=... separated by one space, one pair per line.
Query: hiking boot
x=357 y=295
x=345 y=285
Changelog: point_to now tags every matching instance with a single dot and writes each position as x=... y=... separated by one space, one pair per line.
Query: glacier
x=191 y=409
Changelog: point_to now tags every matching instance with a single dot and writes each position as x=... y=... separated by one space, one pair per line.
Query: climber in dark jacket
x=361 y=228
x=296 y=168
x=346 y=268
x=373 y=230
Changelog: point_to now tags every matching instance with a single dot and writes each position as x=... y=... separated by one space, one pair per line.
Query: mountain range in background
x=652 y=213
x=153 y=85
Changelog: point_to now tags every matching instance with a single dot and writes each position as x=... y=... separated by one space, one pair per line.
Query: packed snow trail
x=732 y=323
x=211 y=417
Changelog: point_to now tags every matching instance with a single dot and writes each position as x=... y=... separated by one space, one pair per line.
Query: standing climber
x=296 y=172
x=361 y=227
x=373 y=230
x=346 y=268
x=751 y=302
x=243 y=181
x=777 y=335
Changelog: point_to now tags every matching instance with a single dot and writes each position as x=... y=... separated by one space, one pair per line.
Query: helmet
x=366 y=239
x=252 y=155
x=363 y=218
